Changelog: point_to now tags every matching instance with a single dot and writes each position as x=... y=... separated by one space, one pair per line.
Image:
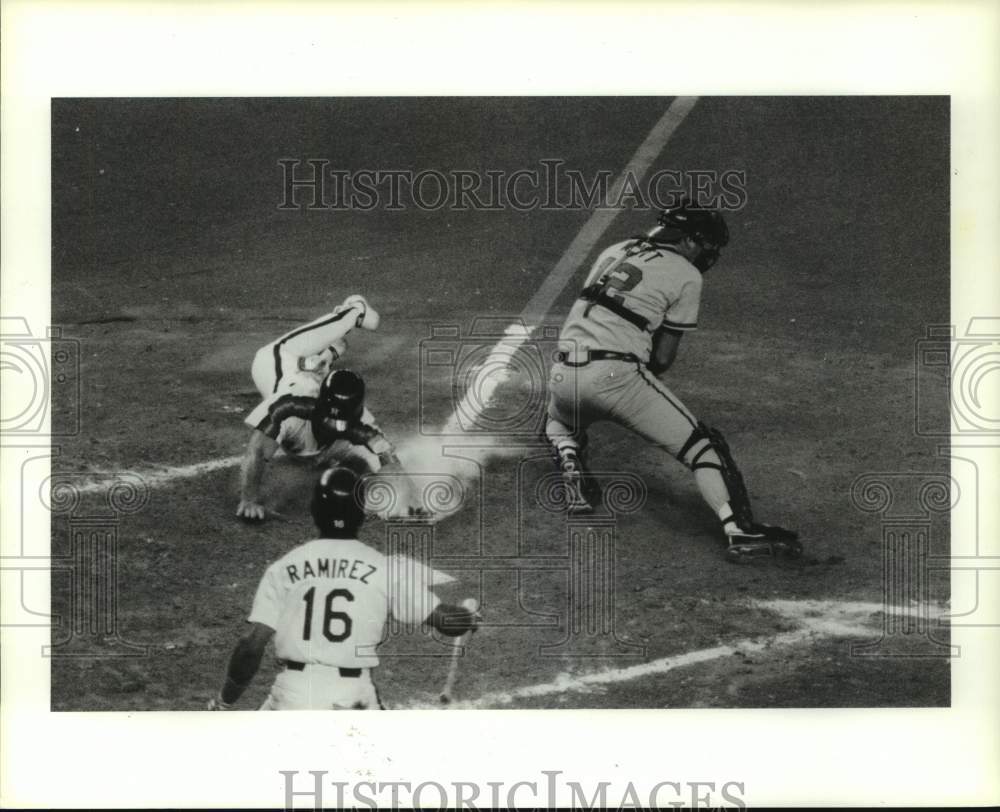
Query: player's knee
x=700 y=449
x=706 y=457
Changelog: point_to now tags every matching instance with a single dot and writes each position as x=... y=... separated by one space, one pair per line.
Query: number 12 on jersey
x=329 y=615
x=623 y=278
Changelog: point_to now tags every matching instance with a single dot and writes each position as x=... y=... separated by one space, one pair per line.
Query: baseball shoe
x=760 y=541
x=411 y=514
x=421 y=514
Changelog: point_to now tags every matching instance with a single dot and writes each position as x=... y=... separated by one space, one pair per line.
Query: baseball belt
x=294 y=665
x=584 y=357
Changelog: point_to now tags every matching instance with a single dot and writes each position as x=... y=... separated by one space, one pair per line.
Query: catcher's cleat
x=760 y=541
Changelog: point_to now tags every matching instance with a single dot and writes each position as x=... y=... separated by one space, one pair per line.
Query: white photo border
x=828 y=757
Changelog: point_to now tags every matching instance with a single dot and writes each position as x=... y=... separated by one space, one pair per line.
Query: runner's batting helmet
x=338 y=503
x=707 y=228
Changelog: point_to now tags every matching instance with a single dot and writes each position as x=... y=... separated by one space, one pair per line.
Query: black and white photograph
x=633 y=376
x=616 y=429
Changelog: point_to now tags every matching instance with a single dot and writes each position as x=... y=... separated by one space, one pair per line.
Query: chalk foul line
x=817 y=619
x=101 y=481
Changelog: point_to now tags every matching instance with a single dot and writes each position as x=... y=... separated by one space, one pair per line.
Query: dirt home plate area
x=174 y=261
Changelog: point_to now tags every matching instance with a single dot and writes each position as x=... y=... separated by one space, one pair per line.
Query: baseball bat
x=472 y=605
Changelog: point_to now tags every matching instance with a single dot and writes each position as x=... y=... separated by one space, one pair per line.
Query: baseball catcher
x=620 y=336
x=325 y=603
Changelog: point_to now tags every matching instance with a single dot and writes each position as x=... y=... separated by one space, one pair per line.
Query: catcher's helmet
x=341 y=397
x=707 y=228
x=338 y=503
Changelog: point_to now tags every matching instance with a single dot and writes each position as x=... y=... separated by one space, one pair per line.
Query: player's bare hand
x=251 y=511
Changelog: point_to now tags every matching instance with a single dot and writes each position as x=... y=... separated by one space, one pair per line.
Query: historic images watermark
x=955 y=403
x=548 y=790
x=91 y=511
x=958 y=370
x=491 y=378
x=315 y=184
x=41 y=383
x=913 y=508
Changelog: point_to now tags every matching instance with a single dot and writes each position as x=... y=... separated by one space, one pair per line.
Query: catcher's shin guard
x=704 y=440
x=568 y=449
x=747 y=538
x=574 y=483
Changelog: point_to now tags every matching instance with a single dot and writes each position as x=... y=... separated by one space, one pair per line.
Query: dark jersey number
x=623 y=278
x=329 y=616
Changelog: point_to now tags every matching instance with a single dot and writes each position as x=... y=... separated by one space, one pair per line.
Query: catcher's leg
x=707 y=454
x=647 y=407
x=650 y=409
x=568 y=437
x=569 y=445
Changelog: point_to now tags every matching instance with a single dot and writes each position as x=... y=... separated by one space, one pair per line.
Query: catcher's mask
x=341 y=399
x=338 y=503
x=707 y=229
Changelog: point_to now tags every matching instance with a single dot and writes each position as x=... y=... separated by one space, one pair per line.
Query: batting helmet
x=338 y=503
x=707 y=228
x=341 y=397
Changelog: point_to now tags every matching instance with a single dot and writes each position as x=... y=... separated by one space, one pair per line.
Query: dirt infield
x=173 y=262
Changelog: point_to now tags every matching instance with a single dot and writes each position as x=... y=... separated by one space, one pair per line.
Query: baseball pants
x=282 y=357
x=322 y=687
x=627 y=393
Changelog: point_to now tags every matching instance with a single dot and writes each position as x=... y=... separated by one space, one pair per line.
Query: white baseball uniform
x=288 y=373
x=309 y=349
x=328 y=601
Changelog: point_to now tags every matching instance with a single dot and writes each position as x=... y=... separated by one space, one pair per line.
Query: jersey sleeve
x=411 y=599
x=683 y=312
x=267 y=602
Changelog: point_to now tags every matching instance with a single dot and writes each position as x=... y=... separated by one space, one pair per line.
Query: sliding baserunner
x=309 y=410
